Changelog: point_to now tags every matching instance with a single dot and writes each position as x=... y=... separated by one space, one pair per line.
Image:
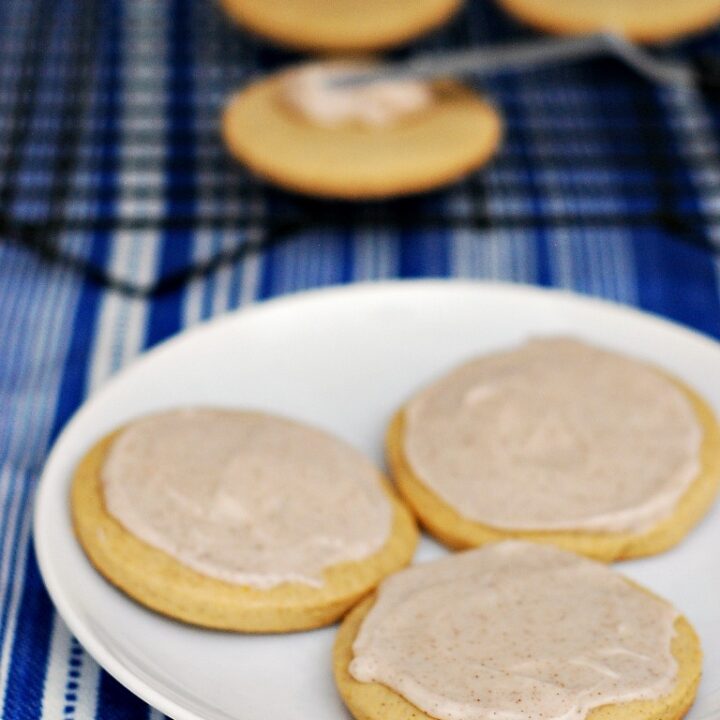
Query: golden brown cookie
x=373 y=701
x=455 y=530
x=640 y=20
x=457 y=133
x=160 y=582
x=332 y=26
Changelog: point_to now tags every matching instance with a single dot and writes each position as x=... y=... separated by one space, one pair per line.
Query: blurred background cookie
x=369 y=141
x=340 y=25
x=642 y=20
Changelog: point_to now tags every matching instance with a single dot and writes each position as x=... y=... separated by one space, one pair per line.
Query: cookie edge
x=161 y=583
x=382 y=187
x=456 y=531
x=664 y=32
x=306 y=41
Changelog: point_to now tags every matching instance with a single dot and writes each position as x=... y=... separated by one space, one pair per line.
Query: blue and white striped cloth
x=109 y=147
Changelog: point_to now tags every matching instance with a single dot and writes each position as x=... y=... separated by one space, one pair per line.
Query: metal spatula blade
x=529 y=55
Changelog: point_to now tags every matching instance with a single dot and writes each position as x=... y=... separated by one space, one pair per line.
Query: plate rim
x=92 y=644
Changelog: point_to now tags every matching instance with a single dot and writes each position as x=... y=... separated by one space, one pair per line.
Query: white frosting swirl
x=310 y=91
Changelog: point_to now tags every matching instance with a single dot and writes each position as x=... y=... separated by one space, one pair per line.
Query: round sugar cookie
x=331 y=26
x=376 y=701
x=453 y=525
x=639 y=20
x=456 y=133
x=157 y=579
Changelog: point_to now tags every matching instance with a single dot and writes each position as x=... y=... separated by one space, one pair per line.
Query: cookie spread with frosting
x=245 y=497
x=514 y=630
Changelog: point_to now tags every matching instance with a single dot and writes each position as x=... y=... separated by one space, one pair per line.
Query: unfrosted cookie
x=340 y=25
x=641 y=20
x=519 y=631
x=238 y=520
x=558 y=442
x=359 y=142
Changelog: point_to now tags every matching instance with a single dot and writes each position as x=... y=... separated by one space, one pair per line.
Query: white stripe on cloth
x=56 y=678
x=121 y=326
x=195 y=297
x=597 y=262
x=375 y=255
x=221 y=300
x=249 y=278
x=492 y=255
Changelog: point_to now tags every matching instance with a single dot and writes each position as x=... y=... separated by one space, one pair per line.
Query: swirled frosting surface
x=245 y=497
x=516 y=631
x=555 y=435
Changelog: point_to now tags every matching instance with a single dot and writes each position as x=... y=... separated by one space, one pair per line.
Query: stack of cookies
x=541 y=463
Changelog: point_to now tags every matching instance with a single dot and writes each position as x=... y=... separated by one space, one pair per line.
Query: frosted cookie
x=641 y=20
x=340 y=25
x=558 y=442
x=377 y=140
x=515 y=631
x=238 y=520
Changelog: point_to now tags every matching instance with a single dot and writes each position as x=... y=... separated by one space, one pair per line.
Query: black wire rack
x=109 y=124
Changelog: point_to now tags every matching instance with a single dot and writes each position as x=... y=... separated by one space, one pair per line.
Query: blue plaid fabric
x=111 y=165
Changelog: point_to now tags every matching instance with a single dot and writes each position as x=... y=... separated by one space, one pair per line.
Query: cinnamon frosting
x=555 y=435
x=516 y=631
x=245 y=497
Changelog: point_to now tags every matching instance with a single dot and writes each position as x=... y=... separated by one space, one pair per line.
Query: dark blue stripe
x=423 y=254
x=678 y=280
x=165 y=312
x=266 y=281
x=347 y=270
x=543 y=267
x=117 y=703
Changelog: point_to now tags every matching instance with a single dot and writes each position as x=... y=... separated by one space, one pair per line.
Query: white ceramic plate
x=342 y=359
